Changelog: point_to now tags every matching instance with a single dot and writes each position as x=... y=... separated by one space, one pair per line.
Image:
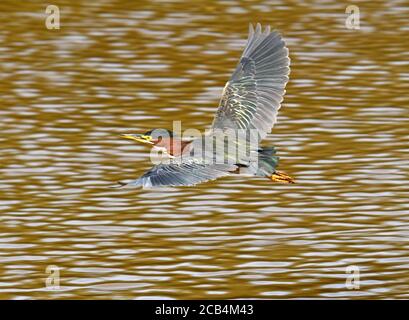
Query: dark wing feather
x=187 y=173
x=252 y=96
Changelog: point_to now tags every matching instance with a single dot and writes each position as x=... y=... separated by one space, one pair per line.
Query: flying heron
x=249 y=103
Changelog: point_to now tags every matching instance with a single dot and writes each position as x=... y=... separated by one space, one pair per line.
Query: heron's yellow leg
x=281 y=177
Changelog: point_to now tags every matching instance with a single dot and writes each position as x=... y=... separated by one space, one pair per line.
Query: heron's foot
x=281 y=177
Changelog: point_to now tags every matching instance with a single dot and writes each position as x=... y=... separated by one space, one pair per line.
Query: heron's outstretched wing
x=187 y=173
x=252 y=96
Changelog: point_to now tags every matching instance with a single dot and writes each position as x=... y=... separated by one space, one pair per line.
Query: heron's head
x=151 y=137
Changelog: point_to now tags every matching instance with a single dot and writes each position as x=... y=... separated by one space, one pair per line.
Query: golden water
x=125 y=66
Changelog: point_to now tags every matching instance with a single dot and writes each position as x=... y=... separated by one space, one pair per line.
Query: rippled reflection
x=67 y=95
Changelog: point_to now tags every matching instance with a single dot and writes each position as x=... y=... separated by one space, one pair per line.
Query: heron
x=250 y=102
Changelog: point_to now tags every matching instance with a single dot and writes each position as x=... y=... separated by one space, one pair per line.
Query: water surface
x=126 y=66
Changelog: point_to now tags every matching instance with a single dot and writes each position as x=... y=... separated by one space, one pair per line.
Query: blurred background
x=125 y=66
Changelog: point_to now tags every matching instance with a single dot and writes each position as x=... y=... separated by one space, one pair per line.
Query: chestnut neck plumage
x=175 y=147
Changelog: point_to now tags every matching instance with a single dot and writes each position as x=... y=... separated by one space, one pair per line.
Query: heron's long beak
x=138 y=137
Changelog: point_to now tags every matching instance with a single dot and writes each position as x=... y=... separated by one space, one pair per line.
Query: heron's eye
x=148 y=138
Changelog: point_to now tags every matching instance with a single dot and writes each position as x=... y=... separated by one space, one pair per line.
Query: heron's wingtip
x=119 y=185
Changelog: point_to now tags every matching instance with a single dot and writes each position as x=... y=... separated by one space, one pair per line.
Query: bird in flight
x=247 y=111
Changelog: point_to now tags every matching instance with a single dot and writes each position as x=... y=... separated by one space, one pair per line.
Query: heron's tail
x=267 y=164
